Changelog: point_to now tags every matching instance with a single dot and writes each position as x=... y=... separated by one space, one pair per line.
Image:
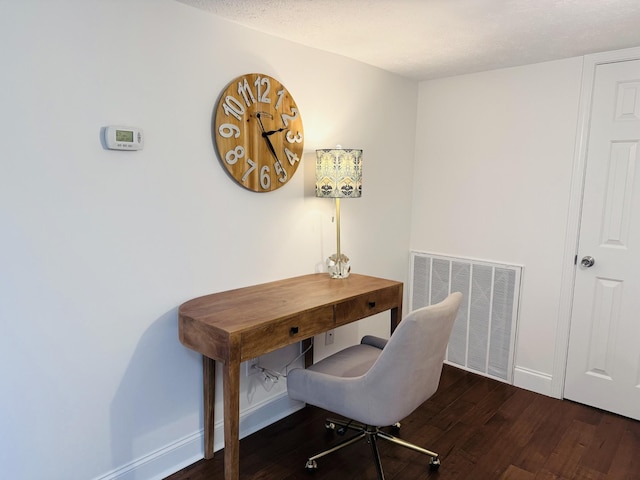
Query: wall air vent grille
x=483 y=336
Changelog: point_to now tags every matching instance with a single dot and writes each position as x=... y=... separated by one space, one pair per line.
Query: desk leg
x=308 y=357
x=395 y=318
x=209 y=379
x=231 y=393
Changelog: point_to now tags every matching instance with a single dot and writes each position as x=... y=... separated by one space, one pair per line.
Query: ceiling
x=426 y=39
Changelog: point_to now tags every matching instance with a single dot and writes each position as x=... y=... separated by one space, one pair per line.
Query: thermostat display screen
x=124 y=136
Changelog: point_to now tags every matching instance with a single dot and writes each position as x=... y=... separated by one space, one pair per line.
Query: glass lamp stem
x=338 y=227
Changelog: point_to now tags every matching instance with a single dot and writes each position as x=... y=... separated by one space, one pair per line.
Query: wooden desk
x=238 y=325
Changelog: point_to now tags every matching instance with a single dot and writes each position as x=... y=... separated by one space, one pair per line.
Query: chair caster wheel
x=434 y=464
x=330 y=426
x=396 y=427
x=311 y=466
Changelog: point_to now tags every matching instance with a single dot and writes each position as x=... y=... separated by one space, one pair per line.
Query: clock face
x=258 y=132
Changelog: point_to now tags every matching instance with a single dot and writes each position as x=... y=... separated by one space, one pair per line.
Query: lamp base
x=338 y=266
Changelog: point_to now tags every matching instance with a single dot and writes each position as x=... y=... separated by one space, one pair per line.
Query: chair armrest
x=374 y=341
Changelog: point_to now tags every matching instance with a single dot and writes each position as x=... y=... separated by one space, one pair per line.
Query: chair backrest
x=408 y=370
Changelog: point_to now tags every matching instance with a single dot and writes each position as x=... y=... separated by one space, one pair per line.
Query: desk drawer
x=274 y=335
x=367 y=304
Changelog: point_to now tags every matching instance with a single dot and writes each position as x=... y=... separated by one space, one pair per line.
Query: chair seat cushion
x=350 y=362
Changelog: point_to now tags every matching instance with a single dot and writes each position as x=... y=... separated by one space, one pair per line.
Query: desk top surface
x=235 y=310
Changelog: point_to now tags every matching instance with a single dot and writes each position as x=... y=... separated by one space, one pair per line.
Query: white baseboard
x=533 y=380
x=163 y=462
x=181 y=453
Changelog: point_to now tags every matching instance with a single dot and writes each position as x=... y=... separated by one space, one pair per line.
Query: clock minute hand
x=275 y=155
x=265 y=135
x=259 y=117
x=271 y=149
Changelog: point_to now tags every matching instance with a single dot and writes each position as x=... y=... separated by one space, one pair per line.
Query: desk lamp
x=338 y=175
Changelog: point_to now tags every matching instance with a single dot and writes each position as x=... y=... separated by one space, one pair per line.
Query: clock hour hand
x=271 y=132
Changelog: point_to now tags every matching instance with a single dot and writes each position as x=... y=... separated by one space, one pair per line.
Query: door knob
x=587 y=261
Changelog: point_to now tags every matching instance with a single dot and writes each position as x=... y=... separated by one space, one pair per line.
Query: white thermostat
x=123 y=138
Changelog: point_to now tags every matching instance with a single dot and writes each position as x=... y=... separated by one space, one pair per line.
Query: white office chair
x=378 y=383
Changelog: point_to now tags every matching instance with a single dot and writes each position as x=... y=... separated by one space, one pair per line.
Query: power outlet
x=329 y=336
x=252 y=366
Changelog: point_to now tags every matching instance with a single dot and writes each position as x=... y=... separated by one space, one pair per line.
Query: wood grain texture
x=207 y=323
x=482 y=429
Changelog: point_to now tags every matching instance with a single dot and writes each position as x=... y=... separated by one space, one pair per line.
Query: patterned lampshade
x=338 y=173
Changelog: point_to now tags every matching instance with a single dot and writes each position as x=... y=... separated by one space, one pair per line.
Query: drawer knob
x=293 y=331
x=372 y=304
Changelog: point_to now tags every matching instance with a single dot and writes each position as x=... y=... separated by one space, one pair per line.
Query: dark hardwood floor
x=482 y=429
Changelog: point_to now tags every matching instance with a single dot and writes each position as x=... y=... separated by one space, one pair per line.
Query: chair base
x=371 y=434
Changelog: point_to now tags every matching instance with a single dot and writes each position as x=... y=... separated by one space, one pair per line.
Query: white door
x=603 y=365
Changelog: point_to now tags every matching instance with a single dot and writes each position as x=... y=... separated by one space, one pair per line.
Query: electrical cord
x=274 y=375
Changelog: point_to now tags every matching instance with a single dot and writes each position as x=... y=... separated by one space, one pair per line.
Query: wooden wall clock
x=258 y=132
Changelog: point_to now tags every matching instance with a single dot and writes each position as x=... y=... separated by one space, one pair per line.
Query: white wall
x=494 y=155
x=99 y=248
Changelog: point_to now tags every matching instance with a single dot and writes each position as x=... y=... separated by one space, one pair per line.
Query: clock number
x=252 y=167
x=245 y=91
x=263 y=97
x=265 y=177
x=232 y=156
x=291 y=156
x=280 y=171
x=228 y=130
x=280 y=94
x=291 y=138
x=233 y=107
x=286 y=117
